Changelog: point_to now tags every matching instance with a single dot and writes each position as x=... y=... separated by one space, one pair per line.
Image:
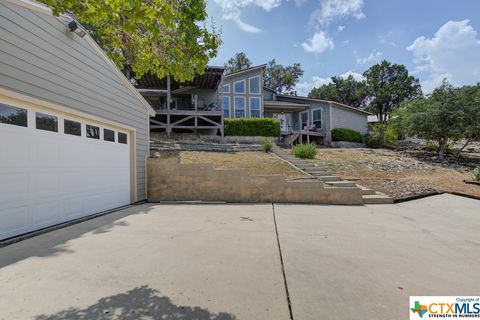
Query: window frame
x=321 y=117
x=86 y=132
x=37 y=113
x=223 y=88
x=65 y=127
x=223 y=106
x=259 y=107
x=300 y=118
x=259 y=85
x=18 y=109
x=118 y=137
x=113 y=131
x=244 y=87
x=235 y=107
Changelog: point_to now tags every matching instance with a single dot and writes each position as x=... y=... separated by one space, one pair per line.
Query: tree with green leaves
x=157 y=37
x=348 y=91
x=237 y=63
x=387 y=86
x=282 y=78
x=439 y=117
x=470 y=101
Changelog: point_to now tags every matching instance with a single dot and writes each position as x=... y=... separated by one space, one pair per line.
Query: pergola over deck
x=195 y=116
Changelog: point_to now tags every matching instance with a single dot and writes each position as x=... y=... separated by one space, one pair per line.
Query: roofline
x=262 y=66
x=270 y=89
x=336 y=104
x=32 y=5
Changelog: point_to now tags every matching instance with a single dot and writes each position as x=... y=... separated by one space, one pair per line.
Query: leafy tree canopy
x=388 y=85
x=344 y=90
x=237 y=63
x=282 y=78
x=155 y=36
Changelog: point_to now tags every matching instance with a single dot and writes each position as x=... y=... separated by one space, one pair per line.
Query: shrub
x=254 y=127
x=374 y=138
x=305 y=151
x=476 y=173
x=267 y=144
x=345 y=134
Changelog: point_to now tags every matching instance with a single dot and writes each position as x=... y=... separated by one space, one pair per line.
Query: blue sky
x=433 y=38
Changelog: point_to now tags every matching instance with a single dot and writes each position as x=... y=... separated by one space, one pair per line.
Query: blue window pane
x=239 y=87
x=255 y=85
x=255 y=113
x=226 y=88
x=226 y=107
x=239 y=107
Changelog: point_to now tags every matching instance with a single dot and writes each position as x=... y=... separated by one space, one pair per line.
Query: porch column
x=169 y=100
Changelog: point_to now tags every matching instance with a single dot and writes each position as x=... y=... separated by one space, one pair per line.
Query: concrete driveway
x=225 y=262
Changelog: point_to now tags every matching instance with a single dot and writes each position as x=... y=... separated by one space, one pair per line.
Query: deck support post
x=169 y=99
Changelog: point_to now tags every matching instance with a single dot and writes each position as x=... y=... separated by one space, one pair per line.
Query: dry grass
x=395 y=173
x=259 y=163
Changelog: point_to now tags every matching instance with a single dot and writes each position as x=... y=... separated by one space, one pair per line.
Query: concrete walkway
x=223 y=262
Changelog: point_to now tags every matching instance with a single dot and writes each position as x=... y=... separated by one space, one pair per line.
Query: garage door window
x=122 y=138
x=72 y=127
x=108 y=135
x=93 y=132
x=46 y=122
x=12 y=115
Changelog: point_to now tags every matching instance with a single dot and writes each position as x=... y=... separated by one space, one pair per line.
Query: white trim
x=250 y=106
x=228 y=85
x=46 y=10
x=244 y=87
x=229 y=106
x=300 y=118
x=244 y=106
x=259 y=85
x=321 y=116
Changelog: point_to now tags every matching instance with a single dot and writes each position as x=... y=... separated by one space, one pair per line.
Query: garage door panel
x=51 y=177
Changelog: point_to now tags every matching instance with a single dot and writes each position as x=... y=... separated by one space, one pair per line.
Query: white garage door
x=55 y=168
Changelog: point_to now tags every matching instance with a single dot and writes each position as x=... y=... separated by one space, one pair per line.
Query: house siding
x=313 y=105
x=343 y=118
x=41 y=61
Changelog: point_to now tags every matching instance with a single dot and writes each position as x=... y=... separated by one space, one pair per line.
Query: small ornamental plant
x=305 y=150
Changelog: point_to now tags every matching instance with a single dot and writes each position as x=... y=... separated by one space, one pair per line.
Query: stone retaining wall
x=169 y=180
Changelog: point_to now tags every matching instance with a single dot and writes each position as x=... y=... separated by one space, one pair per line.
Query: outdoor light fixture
x=74 y=26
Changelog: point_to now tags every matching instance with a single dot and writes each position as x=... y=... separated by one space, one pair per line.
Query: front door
x=285 y=120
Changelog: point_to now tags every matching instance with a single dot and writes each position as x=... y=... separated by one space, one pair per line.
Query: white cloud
x=232 y=10
x=340 y=28
x=452 y=53
x=303 y=88
x=319 y=42
x=332 y=9
x=372 y=57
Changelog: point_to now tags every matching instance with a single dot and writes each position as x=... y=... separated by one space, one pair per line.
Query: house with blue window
x=242 y=93
x=202 y=104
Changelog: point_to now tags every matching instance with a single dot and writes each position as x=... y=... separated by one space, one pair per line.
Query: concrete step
x=377 y=198
x=328 y=178
x=366 y=191
x=343 y=183
x=319 y=173
x=313 y=168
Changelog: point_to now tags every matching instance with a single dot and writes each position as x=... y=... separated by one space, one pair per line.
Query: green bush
x=254 y=127
x=345 y=134
x=374 y=138
x=476 y=173
x=267 y=144
x=305 y=151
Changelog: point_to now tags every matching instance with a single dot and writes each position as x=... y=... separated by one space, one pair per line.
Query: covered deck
x=193 y=105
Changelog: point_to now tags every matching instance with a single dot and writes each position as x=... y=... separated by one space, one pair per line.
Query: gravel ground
x=399 y=173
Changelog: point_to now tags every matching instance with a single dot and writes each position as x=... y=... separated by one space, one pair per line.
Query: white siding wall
x=343 y=118
x=39 y=59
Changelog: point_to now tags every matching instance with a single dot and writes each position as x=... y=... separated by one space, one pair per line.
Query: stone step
x=319 y=173
x=311 y=167
x=366 y=191
x=329 y=178
x=377 y=198
x=343 y=183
